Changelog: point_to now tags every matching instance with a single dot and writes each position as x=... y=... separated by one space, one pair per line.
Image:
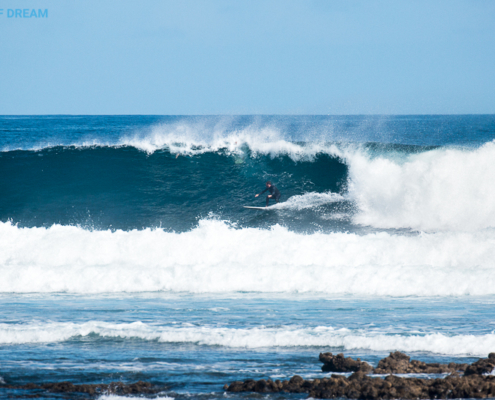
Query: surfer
x=274 y=193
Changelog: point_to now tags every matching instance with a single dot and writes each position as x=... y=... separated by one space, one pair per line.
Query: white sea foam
x=444 y=189
x=216 y=258
x=259 y=337
x=308 y=200
x=193 y=139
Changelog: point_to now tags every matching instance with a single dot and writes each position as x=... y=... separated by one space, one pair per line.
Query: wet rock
x=238 y=386
x=295 y=385
x=296 y=380
x=250 y=384
x=31 y=386
x=399 y=363
x=396 y=362
x=482 y=366
x=261 y=386
x=118 y=388
x=359 y=385
x=339 y=363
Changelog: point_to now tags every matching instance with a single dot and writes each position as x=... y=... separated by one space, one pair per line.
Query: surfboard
x=257 y=208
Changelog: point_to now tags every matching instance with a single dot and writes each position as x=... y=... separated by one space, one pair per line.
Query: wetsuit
x=274 y=192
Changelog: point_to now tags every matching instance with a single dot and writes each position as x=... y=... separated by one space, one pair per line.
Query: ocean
x=126 y=253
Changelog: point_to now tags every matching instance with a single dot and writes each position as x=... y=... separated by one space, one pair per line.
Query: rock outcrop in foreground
x=395 y=363
x=473 y=384
x=339 y=363
x=118 y=388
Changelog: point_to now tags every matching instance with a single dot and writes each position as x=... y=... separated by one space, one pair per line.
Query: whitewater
x=126 y=254
x=216 y=257
x=253 y=338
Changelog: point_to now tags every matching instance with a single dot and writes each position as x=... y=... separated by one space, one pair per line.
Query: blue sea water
x=126 y=254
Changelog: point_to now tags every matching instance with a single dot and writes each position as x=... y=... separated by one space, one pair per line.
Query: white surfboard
x=257 y=208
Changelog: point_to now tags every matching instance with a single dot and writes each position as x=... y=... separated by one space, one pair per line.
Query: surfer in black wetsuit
x=274 y=193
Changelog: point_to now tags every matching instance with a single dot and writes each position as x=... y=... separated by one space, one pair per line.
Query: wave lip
x=194 y=139
x=218 y=258
x=252 y=338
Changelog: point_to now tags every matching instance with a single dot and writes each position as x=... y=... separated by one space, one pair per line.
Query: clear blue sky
x=248 y=57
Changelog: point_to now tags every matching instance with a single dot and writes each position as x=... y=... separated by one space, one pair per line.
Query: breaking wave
x=216 y=257
x=389 y=186
x=256 y=337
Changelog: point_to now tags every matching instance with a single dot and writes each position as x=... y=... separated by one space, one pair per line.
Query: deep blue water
x=126 y=254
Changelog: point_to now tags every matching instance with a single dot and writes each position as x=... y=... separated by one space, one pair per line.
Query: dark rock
x=62 y=387
x=399 y=363
x=272 y=386
x=118 y=388
x=250 y=384
x=482 y=366
x=339 y=363
x=296 y=380
x=261 y=386
x=238 y=386
x=357 y=376
x=30 y=386
x=361 y=386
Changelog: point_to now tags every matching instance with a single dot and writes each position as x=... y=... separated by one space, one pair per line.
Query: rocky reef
x=395 y=363
x=473 y=384
x=117 y=388
x=339 y=363
x=482 y=366
x=464 y=381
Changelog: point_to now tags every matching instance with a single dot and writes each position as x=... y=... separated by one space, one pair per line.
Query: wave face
x=324 y=186
x=125 y=188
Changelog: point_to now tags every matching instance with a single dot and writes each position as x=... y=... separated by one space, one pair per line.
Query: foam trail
x=216 y=257
x=443 y=189
x=309 y=200
x=259 y=337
